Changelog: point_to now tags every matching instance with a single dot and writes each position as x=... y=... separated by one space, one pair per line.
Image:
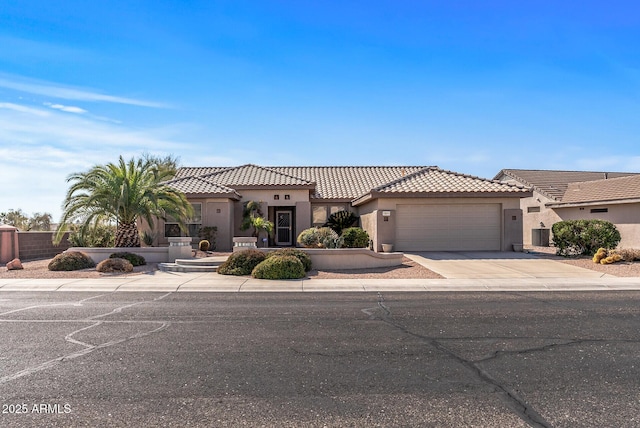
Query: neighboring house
x=567 y=195
x=412 y=207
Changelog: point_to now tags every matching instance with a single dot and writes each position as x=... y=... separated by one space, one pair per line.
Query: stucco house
x=572 y=195
x=415 y=208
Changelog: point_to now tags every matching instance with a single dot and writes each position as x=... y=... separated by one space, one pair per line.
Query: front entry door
x=283 y=228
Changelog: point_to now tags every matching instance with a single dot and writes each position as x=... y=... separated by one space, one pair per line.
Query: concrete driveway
x=489 y=264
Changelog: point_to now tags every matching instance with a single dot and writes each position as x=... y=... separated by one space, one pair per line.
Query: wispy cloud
x=68 y=109
x=41 y=146
x=23 y=109
x=56 y=90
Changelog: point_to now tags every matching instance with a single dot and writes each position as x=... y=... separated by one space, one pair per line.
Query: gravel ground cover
x=408 y=269
x=622 y=269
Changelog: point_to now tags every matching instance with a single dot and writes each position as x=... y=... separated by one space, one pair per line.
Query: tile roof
x=553 y=184
x=342 y=182
x=613 y=189
x=248 y=176
x=198 y=171
x=347 y=182
x=436 y=180
x=200 y=185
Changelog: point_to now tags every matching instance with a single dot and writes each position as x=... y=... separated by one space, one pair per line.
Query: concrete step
x=204 y=261
x=205 y=264
x=175 y=267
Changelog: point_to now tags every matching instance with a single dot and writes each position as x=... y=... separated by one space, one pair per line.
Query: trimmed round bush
x=134 y=259
x=328 y=238
x=241 y=263
x=71 y=260
x=304 y=258
x=319 y=237
x=279 y=267
x=309 y=238
x=204 y=245
x=584 y=237
x=114 y=265
x=355 y=237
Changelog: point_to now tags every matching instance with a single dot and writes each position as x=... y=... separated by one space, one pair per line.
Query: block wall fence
x=31 y=246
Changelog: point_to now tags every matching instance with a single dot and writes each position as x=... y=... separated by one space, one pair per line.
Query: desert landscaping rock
x=15 y=264
x=407 y=270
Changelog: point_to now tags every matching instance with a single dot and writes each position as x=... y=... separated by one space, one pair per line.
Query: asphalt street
x=500 y=359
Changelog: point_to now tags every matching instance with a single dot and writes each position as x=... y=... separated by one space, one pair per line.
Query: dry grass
x=628 y=254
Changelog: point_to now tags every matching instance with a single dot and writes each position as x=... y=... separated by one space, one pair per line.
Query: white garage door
x=474 y=227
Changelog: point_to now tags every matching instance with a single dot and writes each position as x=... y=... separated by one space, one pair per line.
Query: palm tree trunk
x=127 y=235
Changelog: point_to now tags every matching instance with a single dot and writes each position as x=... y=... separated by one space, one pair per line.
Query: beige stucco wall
x=383 y=232
x=303 y=218
x=220 y=214
x=626 y=217
x=531 y=221
x=210 y=217
x=298 y=202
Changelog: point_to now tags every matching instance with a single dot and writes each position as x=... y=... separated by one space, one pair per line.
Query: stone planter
x=517 y=248
x=387 y=248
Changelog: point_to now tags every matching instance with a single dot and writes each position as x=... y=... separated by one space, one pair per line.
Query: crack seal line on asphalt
x=88 y=348
x=51 y=305
x=511 y=398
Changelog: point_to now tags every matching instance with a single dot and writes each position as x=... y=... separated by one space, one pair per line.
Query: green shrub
x=341 y=220
x=203 y=245
x=304 y=258
x=581 y=237
x=100 y=235
x=134 y=259
x=114 y=265
x=328 y=238
x=147 y=238
x=319 y=237
x=279 y=267
x=241 y=262
x=71 y=260
x=355 y=237
x=309 y=238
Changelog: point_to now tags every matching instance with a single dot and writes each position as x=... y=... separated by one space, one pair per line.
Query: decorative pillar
x=8 y=243
x=180 y=248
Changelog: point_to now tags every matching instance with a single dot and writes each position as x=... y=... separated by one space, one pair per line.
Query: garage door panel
x=451 y=227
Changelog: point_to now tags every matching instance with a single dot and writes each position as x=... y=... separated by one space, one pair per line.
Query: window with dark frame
x=194 y=224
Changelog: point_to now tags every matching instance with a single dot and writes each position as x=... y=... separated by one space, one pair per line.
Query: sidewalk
x=213 y=282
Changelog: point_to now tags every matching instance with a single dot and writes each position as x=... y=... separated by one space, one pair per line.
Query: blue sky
x=470 y=86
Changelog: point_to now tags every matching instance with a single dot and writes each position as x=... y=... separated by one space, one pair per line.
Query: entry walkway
x=487 y=264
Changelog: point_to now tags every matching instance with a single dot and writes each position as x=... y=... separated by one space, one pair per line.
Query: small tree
x=341 y=220
x=40 y=221
x=252 y=218
x=15 y=218
x=261 y=225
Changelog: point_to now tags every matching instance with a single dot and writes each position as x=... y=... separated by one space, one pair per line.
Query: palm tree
x=124 y=193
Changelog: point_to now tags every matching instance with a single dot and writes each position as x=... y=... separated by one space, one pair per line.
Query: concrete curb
x=212 y=282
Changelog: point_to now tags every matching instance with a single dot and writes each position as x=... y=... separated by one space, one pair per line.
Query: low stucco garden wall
x=348 y=258
x=150 y=254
